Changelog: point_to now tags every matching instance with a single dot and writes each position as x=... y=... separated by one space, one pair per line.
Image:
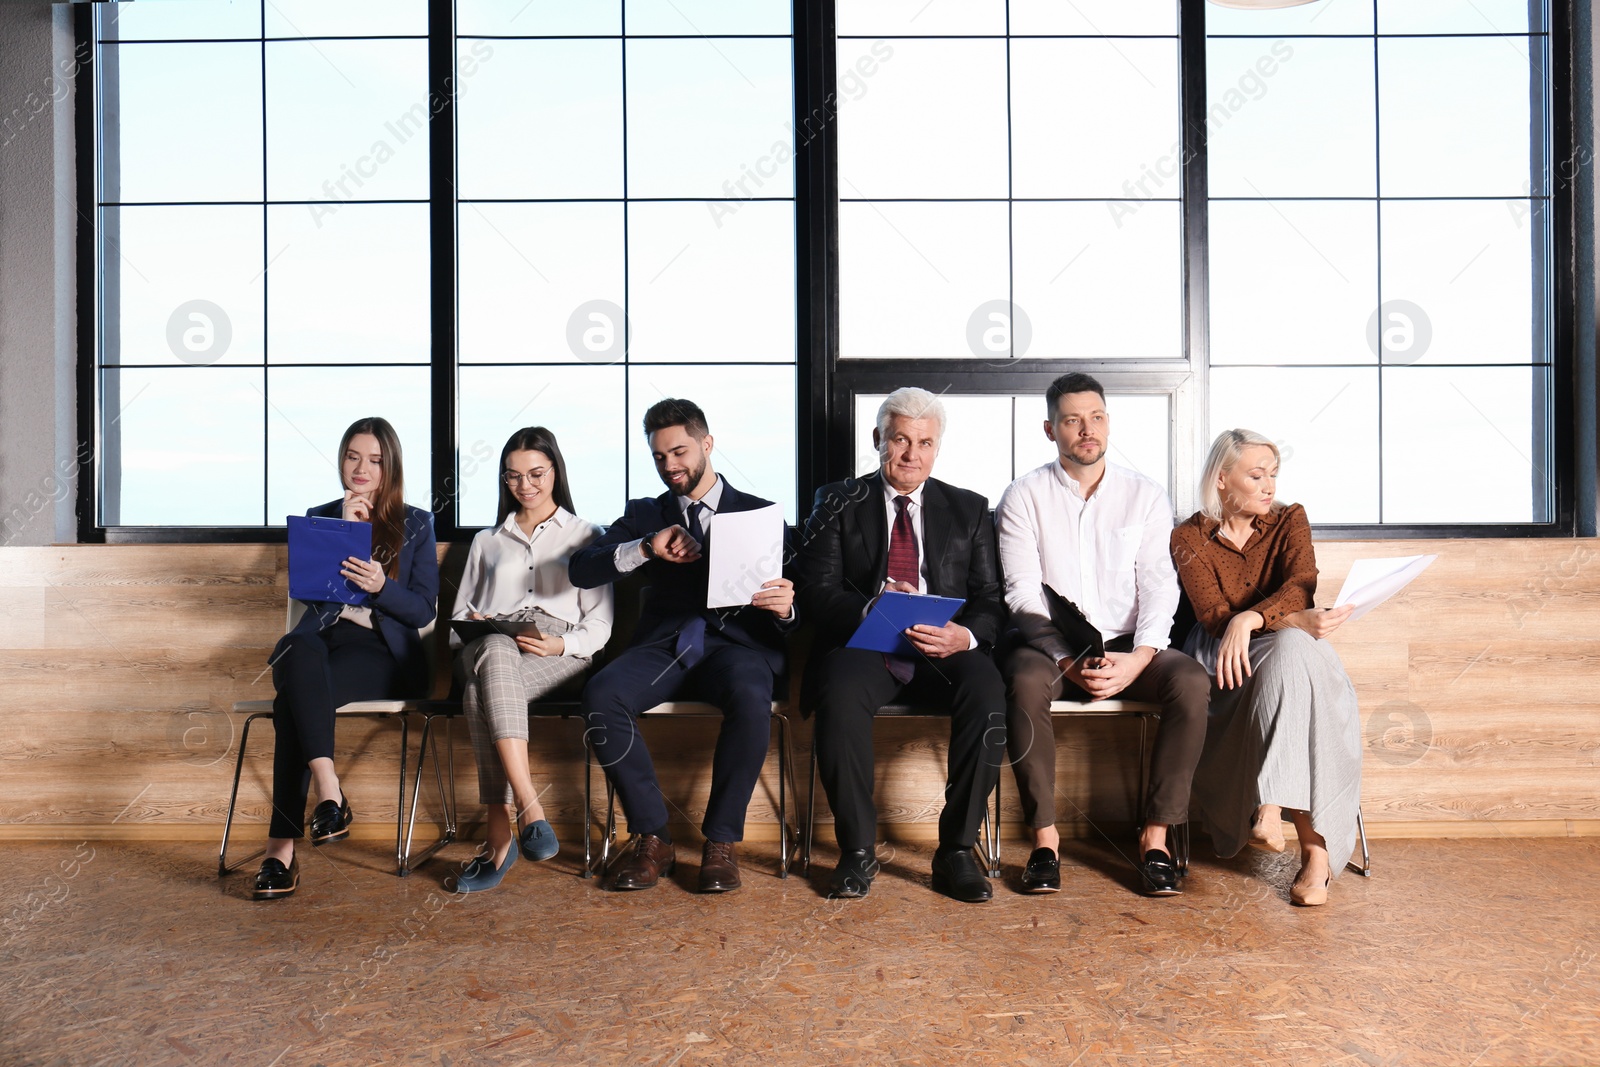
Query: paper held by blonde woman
x=1372 y=581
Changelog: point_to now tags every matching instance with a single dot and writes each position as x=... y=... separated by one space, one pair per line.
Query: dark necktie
x=691 y=646
x=902 y=568
x=903 y=545
x=697 y=531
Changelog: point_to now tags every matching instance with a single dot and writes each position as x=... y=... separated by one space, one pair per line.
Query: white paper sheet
x=746 y=553
x=1372 y=581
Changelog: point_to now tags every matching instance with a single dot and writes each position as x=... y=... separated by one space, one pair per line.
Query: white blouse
x=507 y=571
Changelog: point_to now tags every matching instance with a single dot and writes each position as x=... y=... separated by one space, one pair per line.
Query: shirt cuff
x=1158 y=641
x=627 y=558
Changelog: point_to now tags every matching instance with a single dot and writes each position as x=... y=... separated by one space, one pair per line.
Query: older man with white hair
x=899 y=529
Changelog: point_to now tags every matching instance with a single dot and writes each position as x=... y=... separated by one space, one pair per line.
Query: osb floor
x=1456 y=952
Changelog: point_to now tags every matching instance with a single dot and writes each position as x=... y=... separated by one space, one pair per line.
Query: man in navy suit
x=726 y=657
x=899 y=529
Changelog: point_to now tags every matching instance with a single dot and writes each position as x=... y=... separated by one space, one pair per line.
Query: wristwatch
x=647 y=546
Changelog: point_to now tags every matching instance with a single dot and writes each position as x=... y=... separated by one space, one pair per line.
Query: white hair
x=1225 y=452
x=913 y=403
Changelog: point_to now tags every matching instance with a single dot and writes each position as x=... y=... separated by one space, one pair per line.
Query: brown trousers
x=1172 y=680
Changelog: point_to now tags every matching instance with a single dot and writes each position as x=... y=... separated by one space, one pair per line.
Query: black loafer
x=853 y=877
x=275 y=881
x=331 y=822
x=1043 y=872
x=957 y=874
x=1158 y=875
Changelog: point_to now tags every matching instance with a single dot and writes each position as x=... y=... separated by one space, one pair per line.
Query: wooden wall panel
x=119 y=666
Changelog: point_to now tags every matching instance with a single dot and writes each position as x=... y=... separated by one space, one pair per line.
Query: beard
x=1072 y=455
x=696 y=473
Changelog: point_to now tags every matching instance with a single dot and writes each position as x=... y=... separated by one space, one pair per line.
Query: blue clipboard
x=892 y=613
x=318 y=547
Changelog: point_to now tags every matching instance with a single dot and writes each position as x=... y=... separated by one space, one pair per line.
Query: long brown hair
x=534 y=439
x=388 y=510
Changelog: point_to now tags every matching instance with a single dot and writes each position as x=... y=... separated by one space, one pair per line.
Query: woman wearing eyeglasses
x=338 y=653
x=518 y=570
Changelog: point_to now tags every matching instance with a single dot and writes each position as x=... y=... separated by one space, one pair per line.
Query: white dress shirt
x=629 y=558
x=507 y=571
x=1109 y=554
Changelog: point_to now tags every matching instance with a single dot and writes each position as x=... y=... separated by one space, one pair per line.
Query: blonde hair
x=1225 y=452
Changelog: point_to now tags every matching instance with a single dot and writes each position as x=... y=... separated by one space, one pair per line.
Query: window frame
x=824 y=448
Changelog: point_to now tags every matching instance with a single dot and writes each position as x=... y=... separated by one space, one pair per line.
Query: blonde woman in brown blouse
x=1284 y=733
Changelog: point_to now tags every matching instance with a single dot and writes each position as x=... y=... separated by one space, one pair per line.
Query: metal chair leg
x=994 y=839
x=400 y=808
x=1365 y=870
x=416 y=793
x=811 y=811
x=451 y=828
x=783 y=808
x=233 y=799
x=408 y=862
x=588 y=807
x=611 y=825
x=794 y=798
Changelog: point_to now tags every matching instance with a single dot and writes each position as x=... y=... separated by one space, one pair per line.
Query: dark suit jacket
x=403 y=606
x=843 y=560
x=676 y=592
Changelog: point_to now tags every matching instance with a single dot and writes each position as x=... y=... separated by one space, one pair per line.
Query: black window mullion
x=442 y=263
x=86 y=122
x=817 y=249
x=1191 y=403
x=266 y=292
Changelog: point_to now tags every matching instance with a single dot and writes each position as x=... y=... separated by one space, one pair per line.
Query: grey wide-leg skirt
x=1290 y=736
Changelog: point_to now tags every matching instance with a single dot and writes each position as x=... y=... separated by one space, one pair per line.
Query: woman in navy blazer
x=341 y=652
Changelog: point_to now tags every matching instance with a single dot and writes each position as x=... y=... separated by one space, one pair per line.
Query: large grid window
x=1339 y=224
x=990 y=155
x=1380 y=248
x=627 y=233
x=264 y=241
x=624 y=231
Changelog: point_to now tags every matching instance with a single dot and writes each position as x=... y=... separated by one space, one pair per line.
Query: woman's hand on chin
x=357 y=507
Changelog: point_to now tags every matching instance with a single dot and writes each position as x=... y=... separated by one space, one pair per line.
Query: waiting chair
x=685 y=709
x=405 y=862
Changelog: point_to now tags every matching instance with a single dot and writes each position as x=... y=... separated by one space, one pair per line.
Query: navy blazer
x=403 y=606
x=676 y=592
x=843 y=559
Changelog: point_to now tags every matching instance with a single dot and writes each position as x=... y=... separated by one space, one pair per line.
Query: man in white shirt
x=1098 y=535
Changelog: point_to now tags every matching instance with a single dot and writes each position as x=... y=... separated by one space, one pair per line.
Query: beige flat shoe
x=1309 y=896
x=1266 y=833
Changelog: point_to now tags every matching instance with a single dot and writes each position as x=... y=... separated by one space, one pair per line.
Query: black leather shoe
x=853 y=877
x=274 y=880
x=1043 y=872
x=1158 y=875
x=957 y=873
x=331 y=822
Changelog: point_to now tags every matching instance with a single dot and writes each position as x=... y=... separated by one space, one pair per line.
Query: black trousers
x=314 y=674
x=734 y=678
x=855 y=683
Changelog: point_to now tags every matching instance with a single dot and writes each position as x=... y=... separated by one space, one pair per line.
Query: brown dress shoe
x=642 y=866
x=719 y=867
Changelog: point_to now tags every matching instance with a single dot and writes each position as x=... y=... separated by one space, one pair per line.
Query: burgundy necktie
x=902 y=568
x=903 y=546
